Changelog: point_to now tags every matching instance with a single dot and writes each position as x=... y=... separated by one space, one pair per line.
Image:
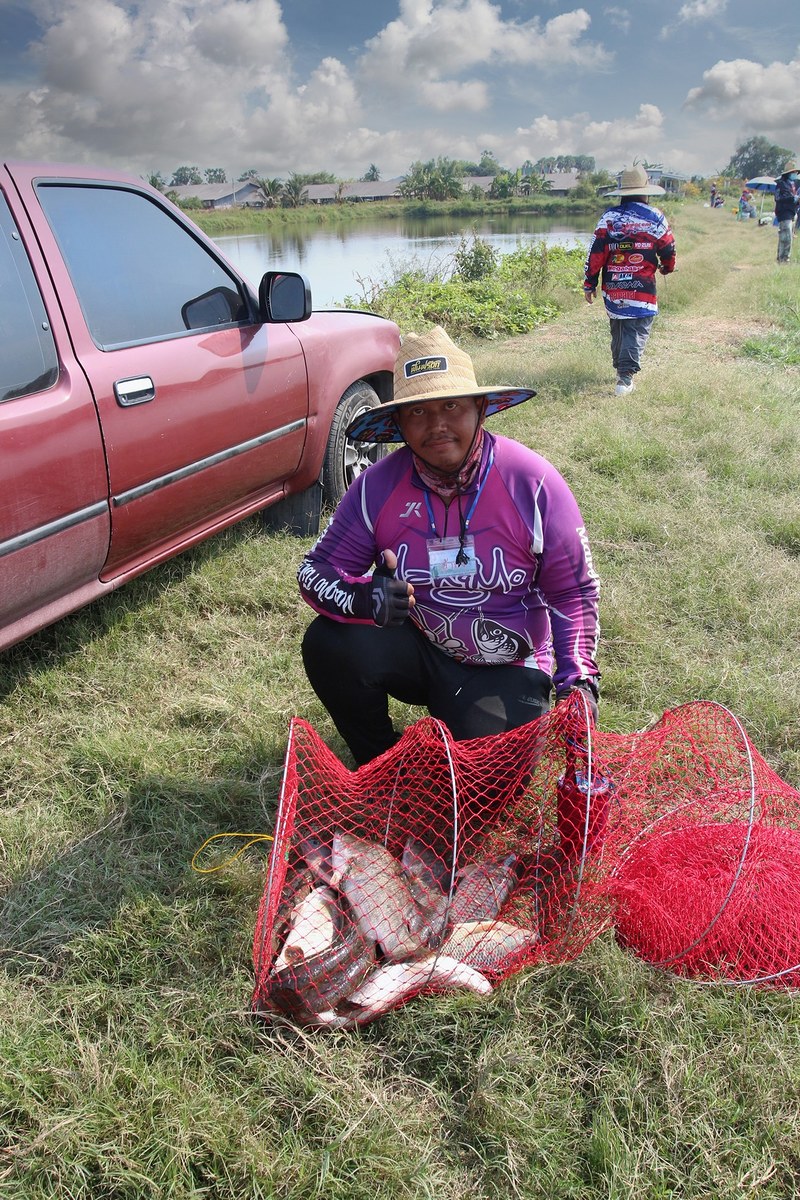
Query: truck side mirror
x=284 y=296
x=220 y=306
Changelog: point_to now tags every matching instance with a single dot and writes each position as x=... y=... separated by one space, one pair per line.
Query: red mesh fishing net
x=447 y=864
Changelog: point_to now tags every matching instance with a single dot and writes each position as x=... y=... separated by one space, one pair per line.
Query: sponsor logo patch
x=424 y=366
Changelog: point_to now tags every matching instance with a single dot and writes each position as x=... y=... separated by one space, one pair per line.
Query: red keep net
x=447 y=864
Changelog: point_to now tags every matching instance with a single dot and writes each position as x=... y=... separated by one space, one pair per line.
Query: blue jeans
x=628 y=340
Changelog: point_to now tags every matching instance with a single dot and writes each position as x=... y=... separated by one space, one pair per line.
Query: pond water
x=343 y=261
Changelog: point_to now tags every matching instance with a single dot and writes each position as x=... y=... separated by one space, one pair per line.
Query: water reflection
x=341 y=261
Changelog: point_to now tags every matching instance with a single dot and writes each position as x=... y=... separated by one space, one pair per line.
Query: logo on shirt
x=412 y=509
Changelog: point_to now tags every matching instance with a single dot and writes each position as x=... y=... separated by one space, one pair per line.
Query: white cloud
x=241 y=35
x=454 y=97
x=609 y=142
x=153 y=84
x=304 y=126
x=702 y=10
x=763 y=98
x=694 y=12
x=620 y=18
x=430 y=45
x=165 y=81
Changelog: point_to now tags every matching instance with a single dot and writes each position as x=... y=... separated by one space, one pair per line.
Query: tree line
x=438 y=179
x=449 y=178
x=757 y=156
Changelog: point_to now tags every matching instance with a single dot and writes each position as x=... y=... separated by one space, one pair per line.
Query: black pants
x=354 y=669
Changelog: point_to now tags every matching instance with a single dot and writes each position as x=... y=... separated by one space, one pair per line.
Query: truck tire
x=345 y=460
x=298 y=514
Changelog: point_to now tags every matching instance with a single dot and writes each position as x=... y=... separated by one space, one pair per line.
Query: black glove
x=589 y=691
x=390 y=599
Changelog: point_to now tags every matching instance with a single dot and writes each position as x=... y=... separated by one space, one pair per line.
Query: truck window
x=137 y=272
x=28 y=361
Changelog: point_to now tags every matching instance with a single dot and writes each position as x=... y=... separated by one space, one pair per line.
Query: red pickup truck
x=151 y=396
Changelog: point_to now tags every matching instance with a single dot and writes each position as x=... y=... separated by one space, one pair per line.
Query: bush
x=486 y=296
x=474 y=259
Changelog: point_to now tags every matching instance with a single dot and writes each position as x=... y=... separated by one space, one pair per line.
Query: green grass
x=134 y=730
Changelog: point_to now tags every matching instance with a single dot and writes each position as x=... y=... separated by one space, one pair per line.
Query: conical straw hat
x=636 y=183
x=429 y=366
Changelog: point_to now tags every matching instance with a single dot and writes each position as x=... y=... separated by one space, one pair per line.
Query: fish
x=317 y=855
x=486 y=945
x=318 y=983
x=296 y=886
x=371 y=880
x=312 y=926
x=429 y=882
x=427 y=876
x=392 y=983
x=482 y=889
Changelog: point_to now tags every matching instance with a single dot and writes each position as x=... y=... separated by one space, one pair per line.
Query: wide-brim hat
x=429 y=366
x=636 y=183
x=789 y=168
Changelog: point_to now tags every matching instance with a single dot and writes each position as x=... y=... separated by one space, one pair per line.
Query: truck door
x=54 y=515
x=203 y=408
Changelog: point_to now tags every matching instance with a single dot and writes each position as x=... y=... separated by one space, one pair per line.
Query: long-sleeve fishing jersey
x=630 y=242
x=786 y=197
x=529 y=592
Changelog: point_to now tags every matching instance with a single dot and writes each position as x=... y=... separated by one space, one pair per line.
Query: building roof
x=215 y=194
x=223 y=195
x=381 y=189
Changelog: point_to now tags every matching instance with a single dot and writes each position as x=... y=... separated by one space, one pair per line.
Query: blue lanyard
x=472 y=507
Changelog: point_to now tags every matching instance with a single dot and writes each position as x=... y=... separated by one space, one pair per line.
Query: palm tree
x=294 y=192
x=270 y=190
x=437 y=179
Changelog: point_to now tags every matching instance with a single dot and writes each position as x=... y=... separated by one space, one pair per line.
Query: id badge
x=442 y=554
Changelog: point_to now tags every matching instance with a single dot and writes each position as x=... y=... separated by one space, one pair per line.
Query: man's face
x=441 y=431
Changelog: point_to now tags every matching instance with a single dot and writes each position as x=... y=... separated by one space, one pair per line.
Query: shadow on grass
x=124 y=896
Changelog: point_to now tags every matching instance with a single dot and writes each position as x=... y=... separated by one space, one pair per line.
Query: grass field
x=136 y=729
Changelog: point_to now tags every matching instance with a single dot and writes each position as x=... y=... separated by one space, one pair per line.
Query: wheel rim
x=358 y=455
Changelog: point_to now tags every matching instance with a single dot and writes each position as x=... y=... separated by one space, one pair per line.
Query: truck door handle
x=134 y=391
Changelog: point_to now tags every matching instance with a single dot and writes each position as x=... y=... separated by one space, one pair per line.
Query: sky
x=341 y=85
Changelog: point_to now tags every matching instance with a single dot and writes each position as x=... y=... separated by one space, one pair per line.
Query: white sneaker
x=623 y=386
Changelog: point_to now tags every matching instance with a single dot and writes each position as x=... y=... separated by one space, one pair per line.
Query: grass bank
x=134 y=730
x=260 y=220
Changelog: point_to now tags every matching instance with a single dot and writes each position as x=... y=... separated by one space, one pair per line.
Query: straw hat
x=789 y=168
x=636 y=183
x=429 y=366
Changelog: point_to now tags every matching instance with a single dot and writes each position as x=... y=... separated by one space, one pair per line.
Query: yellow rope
x=254 y=837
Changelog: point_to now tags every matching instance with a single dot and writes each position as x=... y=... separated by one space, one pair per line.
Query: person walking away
x=632 y=241
x=483 y=598
x=786 y=203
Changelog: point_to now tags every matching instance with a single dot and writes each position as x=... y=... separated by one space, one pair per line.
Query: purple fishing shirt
x=532 y=597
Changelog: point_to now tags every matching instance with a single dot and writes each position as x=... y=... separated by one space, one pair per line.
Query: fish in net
x=451 y=865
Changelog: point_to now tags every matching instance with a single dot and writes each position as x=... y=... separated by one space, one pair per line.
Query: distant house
x=561 y=182
x=329 y=193
x=247 y=195
x=220 y=195
x=673 y=182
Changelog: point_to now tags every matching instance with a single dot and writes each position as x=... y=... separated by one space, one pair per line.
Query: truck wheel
x=345 y=460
